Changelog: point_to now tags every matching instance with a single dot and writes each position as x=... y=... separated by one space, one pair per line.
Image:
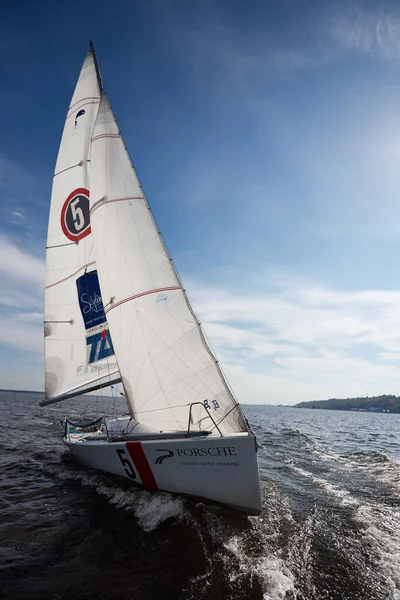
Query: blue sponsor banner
x=90 y=301
x=99 y=346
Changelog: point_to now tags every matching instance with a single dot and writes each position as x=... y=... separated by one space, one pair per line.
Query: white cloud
x=339 y=148
x=21 y=298
x=324 y=33
x=18 y=218
x=26 y=336
x=305 y=342
x=23 y=196
x=19 y=214
x=20 y=265
x=364 y=31
x=281 y=339
x=18 y=374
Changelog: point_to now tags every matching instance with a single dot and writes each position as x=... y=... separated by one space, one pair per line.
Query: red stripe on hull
x=142 y=464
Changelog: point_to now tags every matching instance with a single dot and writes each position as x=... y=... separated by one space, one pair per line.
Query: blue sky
x=267 y=138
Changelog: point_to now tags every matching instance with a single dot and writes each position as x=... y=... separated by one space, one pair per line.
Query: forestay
x=164 y=360
x=78 y=348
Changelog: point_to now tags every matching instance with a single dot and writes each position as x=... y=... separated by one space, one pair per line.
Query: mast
x=96 y=66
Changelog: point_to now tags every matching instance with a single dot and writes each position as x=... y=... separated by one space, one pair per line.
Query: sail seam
x=105 y=135
x=86 y=103
x=164 y=289
x=72 y=275
x=82 y=100
x=103 y=201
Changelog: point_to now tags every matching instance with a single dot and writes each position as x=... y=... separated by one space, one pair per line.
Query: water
x=330 y=526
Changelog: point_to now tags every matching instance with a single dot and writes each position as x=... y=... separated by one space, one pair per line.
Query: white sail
x=164 y=360
x=78 y=348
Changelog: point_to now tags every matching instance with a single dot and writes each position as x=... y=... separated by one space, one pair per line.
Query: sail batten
x=165 y=361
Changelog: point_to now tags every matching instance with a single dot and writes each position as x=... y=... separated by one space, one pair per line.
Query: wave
x=381 y=531
x=151 y=509
x=369 y=456
x=245 y=553
x=289 y=432
x=372 y=536
x=343 y=495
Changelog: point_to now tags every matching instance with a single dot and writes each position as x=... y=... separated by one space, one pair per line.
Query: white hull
x=221 y=469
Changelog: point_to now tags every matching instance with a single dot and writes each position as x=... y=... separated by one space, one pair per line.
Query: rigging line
x=222 y=375
x=113 y=395
x=90 y=252
x=224 y=417
x=69 y=276
x=220 y=369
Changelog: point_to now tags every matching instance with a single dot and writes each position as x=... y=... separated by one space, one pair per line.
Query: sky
x=267 y=137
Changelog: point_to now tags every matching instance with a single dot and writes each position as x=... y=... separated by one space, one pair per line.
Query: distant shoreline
x=383 y=404
x=23 y=391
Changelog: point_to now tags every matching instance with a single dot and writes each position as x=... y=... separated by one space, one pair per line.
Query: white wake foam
x=151 y=509
x=341 y=494
x=381 y=529
x=252 y=553
x=380 y=524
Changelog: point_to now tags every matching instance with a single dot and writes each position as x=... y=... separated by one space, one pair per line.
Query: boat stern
x=221 y=469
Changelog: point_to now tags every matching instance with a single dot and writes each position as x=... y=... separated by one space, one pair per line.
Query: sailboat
x=116 y=312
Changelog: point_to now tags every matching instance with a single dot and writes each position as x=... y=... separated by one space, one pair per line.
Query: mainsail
x=165 y=363
x=79 y=353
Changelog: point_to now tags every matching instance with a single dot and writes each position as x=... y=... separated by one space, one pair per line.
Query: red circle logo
x=75 y=215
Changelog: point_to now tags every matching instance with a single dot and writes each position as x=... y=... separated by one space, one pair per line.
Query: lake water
x=330 y=526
